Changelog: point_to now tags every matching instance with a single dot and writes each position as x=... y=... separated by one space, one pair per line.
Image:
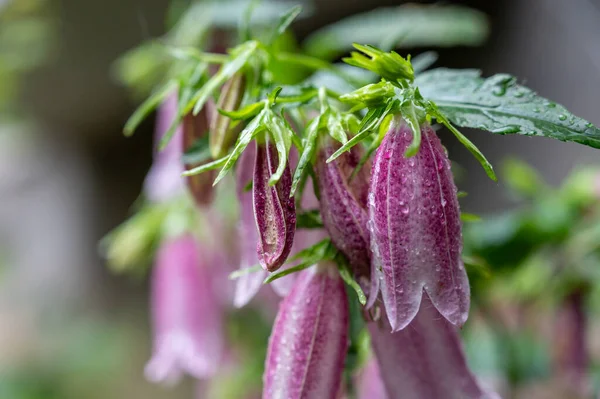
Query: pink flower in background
x=425 y=359
x=186 y=314
x=164 y=180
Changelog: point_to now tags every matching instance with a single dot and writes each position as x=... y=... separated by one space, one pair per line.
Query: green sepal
x=246 y=136
x=433 y=110
x=370 y=122
x=389 y=65
x=206 y=167
x=309 y=144
x=240 y=56
x=370 y=95
x=348 y=279
x=281 y=134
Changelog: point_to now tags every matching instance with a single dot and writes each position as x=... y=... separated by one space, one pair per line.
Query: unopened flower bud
x=274 y=210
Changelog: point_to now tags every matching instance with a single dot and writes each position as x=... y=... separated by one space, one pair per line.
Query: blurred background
x=71 y=329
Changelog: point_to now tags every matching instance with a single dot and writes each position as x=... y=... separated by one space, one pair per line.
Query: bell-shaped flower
x=415 y=228
x=274 y=210
x=186 y=316
x=308 y=344
x=424 y=360
x=164 y=180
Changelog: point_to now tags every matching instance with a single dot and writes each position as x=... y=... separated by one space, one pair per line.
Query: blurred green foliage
x=24 y=24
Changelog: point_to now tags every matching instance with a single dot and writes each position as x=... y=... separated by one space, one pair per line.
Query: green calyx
x=389 y=65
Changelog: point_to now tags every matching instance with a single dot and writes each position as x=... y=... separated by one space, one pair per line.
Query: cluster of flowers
x=396 y=221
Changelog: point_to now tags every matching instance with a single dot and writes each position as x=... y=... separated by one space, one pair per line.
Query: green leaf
x=347 y=277
x=198 y=152
x=246 y=136
x=487 y=166
x=240 y=56
x=148 y=106
x=499 y=105
x=309 y=220
x=309 y=144
x=282 y=135
x=285 y=21
x=411 y=25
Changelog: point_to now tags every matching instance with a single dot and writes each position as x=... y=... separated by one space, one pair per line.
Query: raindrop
x=562 y=117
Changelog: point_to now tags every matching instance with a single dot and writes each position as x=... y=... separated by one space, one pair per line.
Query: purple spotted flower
x=164 y=180
x=308 y=343
x=344 y=205
x=424 y=360
x=188 y=336
x=415 y=228
x=274 y=210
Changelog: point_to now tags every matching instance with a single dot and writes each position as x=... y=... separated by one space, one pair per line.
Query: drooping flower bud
x=344 y=205
x=185 y=311
x=274 y=210
x=415 y=228
x=164 y=180
x=247 y=285
x=308 y=343
x=222 y=135
x=424 y=360
x=195 y=127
